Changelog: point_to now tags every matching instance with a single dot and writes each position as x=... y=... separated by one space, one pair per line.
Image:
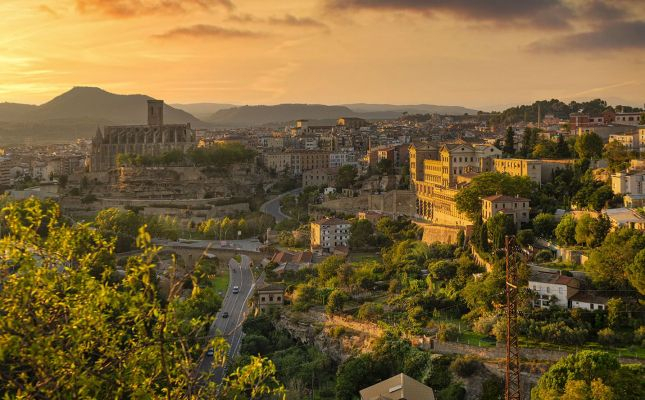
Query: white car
x=236 y=289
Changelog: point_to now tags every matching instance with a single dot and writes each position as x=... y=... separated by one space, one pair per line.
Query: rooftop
x=504 y=198
x=554 y=278
x=331 y=221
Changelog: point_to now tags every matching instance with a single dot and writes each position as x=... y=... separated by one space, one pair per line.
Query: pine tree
x=509 y=141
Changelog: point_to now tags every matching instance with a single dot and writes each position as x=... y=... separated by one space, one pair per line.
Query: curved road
x=272 y=207
x=237 y=306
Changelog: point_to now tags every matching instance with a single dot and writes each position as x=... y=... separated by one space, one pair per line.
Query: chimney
x=155 y=112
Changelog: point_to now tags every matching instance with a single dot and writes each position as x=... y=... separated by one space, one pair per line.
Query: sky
x=482 y=54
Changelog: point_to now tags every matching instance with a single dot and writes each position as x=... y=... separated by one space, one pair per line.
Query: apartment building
x=628 y=182
x=630 y=141
x=278 y=162
x=318 y=177
x=517 y=207
x=519 y=167
x=328 y=234
x=306 y=160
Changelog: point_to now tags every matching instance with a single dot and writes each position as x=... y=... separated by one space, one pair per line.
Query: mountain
x=260 y=115
x=410 y=108
x=77 y=113
x=202 y=110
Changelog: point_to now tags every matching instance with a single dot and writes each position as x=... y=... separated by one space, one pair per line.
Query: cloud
x=285 y=20
x=208 y=31
x=133 y=8
x=48 y=10
x=548 y=14
x=598 y=10
x=291 y=20
x=612 y=36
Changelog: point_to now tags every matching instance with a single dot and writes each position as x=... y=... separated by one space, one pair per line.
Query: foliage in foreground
x=71 y=326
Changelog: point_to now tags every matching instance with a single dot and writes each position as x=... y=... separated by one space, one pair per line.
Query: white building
x=628 y=182
x=628 y=118
x=631 y=140
x=588 y=301
x=553 y=289
x=327 y=234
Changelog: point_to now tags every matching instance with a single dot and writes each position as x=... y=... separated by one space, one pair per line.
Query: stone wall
x=440 y=233
x=395 y=202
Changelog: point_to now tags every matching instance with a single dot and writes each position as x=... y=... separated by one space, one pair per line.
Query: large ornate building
x=436 y=174
x=155 y=138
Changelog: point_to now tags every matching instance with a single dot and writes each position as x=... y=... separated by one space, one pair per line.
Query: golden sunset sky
x=482 y=54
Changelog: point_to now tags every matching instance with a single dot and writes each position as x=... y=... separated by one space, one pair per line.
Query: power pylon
x=513 y=253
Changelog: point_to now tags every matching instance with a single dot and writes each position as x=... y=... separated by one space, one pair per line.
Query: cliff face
x=240 y=180
x=336 y=337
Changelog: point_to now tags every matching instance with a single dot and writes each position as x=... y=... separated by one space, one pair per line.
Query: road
x=237 y=306
x=272 y=207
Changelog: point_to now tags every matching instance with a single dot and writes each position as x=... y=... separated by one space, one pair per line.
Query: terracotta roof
x=331 y=221
x=586 y=297
x=554 y=278
x=504 y=198
x=271 y=287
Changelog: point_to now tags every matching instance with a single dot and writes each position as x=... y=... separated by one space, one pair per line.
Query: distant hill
x=260 y=115
x=77 y=113
x=202 y=110
x=282 y=113
x=410 y=108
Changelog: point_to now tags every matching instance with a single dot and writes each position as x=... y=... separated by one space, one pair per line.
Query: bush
x=607 y=336
x=639 y=336
x=465 y=366
x=485 y=324
x=447 y=332
x=544 y=256
x=455 y=391
x=337 y=331
x=369 y=311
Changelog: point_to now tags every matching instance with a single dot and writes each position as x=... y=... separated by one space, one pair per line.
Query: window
x=601 y=307
x=591 y=306
x=262 y=298
x=548 y=289
x=278 y=298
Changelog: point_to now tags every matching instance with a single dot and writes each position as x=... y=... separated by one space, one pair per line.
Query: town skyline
x=250 y=52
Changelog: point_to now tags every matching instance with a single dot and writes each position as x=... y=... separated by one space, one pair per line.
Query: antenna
x=512 y=386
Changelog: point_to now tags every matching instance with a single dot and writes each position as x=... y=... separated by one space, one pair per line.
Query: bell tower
x=155 y=112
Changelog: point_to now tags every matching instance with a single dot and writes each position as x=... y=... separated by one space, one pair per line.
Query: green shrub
x=447 y=332
x=465 y=366
x=455 y=391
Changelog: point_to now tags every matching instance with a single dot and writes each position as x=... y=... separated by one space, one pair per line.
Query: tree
x=636 y=272
x=544 y=224
x=362 y=232
x=525 y=237
x=609 y=264
x=617 y=155
x=66 y=330
x=385 y=166
x=335 y=301
x=588 y=145
x=592 y=375
x=346 y=176
x=565 y=232
x=562 y=149
x=585 y=230
x=489 y=183
x=499 y=225
x=120 y=224
x=509 y=141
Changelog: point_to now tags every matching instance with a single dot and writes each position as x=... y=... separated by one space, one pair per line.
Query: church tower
x=155 y=112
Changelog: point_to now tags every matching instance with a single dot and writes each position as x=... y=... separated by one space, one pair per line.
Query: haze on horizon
x=484 y=55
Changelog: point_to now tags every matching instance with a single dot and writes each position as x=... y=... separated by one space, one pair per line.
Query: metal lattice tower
x=512 y=387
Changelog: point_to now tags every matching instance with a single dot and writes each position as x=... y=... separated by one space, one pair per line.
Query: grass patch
x=220 y=282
